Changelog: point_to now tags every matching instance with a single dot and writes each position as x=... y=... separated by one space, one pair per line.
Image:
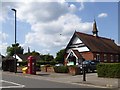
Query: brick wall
x=87 y=55
x=107 y=55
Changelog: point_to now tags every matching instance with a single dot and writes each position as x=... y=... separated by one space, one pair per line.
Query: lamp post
x=15 y=63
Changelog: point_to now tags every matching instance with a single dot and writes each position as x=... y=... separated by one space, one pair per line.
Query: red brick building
x=91 y=47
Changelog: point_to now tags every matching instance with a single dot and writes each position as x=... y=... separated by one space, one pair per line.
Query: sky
x=47 y=27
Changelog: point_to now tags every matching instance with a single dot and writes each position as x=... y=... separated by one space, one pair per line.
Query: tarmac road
x=26 y=82
x=12 y=81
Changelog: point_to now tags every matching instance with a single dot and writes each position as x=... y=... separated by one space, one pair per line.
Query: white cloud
x=81 y=6
x=3 y=43
x=73 y=8
x=52 y=24
x=5 y=9
x=3 y=36
x=3 y=47
x=35 y=12
x=47 y=35
x=102 y=15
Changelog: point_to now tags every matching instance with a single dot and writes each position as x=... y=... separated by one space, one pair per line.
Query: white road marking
x=18 y=85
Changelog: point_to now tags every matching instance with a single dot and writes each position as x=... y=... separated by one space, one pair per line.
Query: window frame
x=105 y=57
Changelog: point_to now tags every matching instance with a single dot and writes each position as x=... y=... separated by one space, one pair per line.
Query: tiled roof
x=98 y=44
x=25 y=57
x=8 y=58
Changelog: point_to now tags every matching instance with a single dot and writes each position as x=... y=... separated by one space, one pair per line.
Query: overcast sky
x=47 y=27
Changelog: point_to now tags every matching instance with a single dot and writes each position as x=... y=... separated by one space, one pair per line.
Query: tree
x=60 y=56
x=47 y=57
x=11 y=49
x=33 y=53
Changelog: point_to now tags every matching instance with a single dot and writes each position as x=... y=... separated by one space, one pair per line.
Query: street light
x=15 y=66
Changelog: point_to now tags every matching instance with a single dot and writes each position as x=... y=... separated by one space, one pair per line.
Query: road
x=11 y=80
x=35 y=83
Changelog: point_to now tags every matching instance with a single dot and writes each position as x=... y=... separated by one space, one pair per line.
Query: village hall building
x=91 y=47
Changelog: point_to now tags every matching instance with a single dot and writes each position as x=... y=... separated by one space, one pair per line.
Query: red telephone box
x=31 y=65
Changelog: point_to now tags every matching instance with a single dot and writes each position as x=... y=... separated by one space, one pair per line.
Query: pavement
x=91 y=79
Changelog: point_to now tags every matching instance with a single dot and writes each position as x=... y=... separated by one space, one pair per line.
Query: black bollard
x=84 y=72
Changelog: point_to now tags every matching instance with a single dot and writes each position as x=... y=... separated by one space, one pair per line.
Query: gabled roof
x=8 y=58
x=25 y=57
x=22 y=56
x=96 y=44
x=2 y=56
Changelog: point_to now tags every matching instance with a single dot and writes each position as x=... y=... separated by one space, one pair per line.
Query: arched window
x=98 y=57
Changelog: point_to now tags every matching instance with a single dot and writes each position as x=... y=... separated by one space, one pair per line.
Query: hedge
x=61 y=69
x=109 y=70
x=46 y=62
x=23 y=63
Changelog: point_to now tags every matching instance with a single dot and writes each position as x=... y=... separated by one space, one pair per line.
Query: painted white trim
x=76 y=40
x=19 y=59
x=18 y=85
x=69 y=54
x=82 y=49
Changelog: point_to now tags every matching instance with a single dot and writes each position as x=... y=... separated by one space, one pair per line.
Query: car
x=60 y=64
x=90 y=65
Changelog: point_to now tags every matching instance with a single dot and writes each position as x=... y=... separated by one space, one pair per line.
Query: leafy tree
x=60 y=56
x=47 y=57
x=34 y=53
x=15 y=47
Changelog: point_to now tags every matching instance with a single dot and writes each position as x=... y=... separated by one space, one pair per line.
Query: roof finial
x=95 y=31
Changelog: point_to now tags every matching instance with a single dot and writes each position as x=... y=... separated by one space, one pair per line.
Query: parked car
x=60 y=64
x=90 y=65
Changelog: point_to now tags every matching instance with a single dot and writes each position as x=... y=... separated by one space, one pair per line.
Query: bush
x=61 y=69
x=53 y=62
x=23 y=63
x=110 y=70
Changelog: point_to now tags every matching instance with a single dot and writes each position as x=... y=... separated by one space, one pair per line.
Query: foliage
x=47 y=57
x=11 y=49
x=111 y=70
x=60 y=56
x=33 y=53
x=61 y=69
x=53 y=62
x=42 y=62
x=23 y=63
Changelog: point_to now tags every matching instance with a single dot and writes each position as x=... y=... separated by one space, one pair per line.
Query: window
x=111 y=56
x=71 y=54
x=98 y=57
x=105 y=58
x=117 y=58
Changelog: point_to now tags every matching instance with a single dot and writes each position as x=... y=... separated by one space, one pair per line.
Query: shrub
x=61 y=69
x=110 y=70
x=23 y=63
x=53 y=62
